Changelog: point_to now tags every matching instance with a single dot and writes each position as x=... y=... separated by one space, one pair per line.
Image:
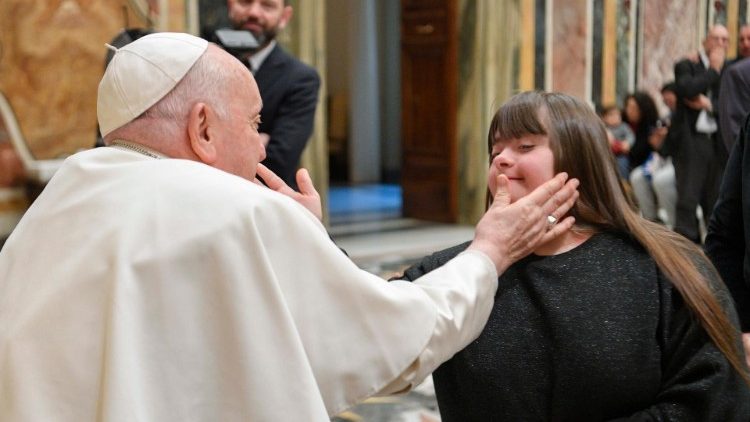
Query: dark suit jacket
x=289 y=89
x=691 y=80
x=734 y=100
x=729 y=228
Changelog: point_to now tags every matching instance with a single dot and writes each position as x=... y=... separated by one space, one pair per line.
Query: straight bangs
x=517 y=118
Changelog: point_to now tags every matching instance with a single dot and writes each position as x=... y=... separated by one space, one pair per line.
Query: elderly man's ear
x=203 y=126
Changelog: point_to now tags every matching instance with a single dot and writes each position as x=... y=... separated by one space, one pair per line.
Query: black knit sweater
x=596 y=333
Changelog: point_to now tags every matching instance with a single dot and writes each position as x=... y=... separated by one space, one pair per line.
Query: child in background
x=621 y=138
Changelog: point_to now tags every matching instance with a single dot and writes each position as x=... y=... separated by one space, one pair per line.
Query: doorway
x=364 y=110
x=392 y=109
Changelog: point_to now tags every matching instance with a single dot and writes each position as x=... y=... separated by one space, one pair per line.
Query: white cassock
x=143 y=289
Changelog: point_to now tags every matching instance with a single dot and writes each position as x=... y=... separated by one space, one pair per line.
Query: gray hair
x=210 y=81
x=207 y=81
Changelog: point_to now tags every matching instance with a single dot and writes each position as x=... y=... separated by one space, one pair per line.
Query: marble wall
x=569 y=47
x=626 y=31
x=52 y=59
x=636 y=44
x=671 y=30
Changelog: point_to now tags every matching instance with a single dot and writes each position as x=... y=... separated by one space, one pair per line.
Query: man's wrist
x=498 y=262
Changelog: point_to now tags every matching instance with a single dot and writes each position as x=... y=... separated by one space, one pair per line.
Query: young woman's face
x=527 y=162
x=632 y=111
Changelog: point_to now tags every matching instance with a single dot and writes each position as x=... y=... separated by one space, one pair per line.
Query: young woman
x=618 y=318
x=641 y=115
x=653 y=182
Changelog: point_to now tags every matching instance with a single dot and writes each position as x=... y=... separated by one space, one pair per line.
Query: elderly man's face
x=718 y=37
x=246 y=141
x=263 y=18
x=240 y=148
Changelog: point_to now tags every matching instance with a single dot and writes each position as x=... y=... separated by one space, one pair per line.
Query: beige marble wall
x=671 y=30
x=569 y=32
x=52 y=59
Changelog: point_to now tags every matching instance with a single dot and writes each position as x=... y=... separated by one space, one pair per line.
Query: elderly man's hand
x=700 y=102
x=508 y=232
x=716 y=58
x=307 y=196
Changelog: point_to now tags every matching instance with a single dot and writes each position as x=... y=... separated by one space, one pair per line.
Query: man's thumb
x=502 y=194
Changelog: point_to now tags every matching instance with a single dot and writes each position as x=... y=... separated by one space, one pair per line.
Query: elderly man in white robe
x=154 y=280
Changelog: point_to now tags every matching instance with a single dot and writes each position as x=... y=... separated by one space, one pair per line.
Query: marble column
x=364 y=142
x=488 y=41
x=390 y=88
x=609 y=53
x=733 y=25
x=569 y=47
x=305 y=38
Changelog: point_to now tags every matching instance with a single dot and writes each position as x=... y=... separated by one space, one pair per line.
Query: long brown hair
x=579 y=144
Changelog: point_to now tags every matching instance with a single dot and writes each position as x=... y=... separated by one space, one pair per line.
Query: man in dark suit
x=743 y=45
x=734 y=101
x=698 y=155
x=288 y=87
x=728 y=239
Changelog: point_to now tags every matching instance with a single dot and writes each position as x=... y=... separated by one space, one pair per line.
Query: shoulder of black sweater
x=431 y=262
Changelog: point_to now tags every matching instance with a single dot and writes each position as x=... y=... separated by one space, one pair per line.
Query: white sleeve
x=358 y=332
x=463 y=291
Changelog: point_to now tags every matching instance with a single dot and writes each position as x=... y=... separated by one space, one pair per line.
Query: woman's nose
x=504 y=159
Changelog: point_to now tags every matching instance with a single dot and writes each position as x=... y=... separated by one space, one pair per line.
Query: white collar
x=135 y=147
x=704 y=58
x=257 y=59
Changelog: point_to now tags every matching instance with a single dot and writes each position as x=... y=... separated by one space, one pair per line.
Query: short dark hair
x=669 y=86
